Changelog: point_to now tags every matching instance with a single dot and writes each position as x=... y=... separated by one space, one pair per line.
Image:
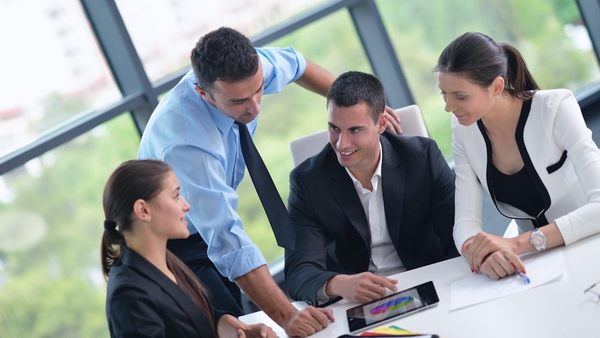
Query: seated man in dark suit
x=369 y=204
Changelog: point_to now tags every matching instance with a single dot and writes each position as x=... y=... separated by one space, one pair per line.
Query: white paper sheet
x=478 y=288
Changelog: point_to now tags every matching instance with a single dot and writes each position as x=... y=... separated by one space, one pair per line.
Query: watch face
x=538 y=240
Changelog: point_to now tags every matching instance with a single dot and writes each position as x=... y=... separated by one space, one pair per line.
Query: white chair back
x=412 y=121
x=309 y=145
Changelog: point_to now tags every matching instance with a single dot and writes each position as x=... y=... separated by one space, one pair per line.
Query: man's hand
x=360 y=288
x=308 y=321
x=262 y=289
x=482 y=246
x=393 y=121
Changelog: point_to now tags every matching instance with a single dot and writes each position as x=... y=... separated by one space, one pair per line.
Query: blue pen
x=523 y=277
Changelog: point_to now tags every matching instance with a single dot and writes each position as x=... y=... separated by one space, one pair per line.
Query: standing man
x=369 y=204
x=194 y=129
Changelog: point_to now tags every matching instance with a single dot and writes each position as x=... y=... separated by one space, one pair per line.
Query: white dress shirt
x=384 y=258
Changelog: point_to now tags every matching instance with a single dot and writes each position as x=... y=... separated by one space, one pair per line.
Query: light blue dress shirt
x=201 y=144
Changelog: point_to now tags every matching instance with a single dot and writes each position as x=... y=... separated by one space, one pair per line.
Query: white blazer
x=559 y=155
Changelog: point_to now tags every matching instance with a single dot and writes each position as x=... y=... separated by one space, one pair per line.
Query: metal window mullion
x=122 y=58
x=67 y=132
x=590 y=13
x=589 y=10
x=380 y=52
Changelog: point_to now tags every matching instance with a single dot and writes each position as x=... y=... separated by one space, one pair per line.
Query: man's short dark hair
x=352 y=88
x=223 y=54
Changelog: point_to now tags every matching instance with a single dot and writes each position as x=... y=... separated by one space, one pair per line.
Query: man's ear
x=201 y=91
x=497 y=85
x=382 y=123
x=141 y=210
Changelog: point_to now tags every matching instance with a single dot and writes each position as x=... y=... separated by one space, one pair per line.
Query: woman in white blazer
x=528 y=148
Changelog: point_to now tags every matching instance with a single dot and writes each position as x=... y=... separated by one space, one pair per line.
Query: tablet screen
x=392 y=306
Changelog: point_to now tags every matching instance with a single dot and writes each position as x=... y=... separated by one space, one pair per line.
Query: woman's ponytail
x=110 y=250
x=519 y=81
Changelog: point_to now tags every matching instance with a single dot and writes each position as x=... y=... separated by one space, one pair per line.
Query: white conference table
x=556 y=309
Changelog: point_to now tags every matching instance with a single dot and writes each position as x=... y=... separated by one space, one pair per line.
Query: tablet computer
x=393 y=306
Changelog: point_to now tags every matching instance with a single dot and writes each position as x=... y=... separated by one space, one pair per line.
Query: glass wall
x=50 y=229
x=164 y=32
x=547 y=33
x=51 y=69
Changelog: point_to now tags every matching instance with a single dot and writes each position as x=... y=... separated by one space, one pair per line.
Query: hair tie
x=110 y=225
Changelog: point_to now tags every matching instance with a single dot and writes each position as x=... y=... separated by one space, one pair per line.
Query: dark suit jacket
x=332 y=232
x=142 y=302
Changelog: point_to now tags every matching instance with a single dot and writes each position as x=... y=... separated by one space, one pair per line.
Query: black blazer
x=332 y=232
x=142 y=302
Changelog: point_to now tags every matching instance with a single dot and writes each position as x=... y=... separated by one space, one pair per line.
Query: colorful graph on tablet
x=392 y=305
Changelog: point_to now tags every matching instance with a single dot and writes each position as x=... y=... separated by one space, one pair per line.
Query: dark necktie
x=267 y=192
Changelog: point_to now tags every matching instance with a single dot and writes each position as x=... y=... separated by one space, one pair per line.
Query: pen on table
x=523 y=277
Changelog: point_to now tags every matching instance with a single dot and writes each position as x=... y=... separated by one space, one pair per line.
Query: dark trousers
x=224 y=294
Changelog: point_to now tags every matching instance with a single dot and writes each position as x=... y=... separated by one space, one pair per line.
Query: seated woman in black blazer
x=150 y=292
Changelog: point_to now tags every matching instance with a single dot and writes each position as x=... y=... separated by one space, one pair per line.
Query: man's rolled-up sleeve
x=213 y=209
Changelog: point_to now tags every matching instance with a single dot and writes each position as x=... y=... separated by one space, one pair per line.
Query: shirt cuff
x=322 y=296
x=239 y=262
x=463 y=232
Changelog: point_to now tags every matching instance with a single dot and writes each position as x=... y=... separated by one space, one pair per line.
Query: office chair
x=309 y=145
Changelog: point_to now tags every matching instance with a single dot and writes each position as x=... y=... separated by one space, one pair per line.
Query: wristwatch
x=538 y=240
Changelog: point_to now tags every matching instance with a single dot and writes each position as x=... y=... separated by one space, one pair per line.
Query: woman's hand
x=502 y=263
x=483 y=246
x=231 y=327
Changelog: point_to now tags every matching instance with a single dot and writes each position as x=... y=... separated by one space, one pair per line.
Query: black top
x=141 y=301
x=517 y=190
x=533 y=192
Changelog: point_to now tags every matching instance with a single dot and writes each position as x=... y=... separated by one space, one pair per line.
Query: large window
x=51 y=69
x=550 y=35
x=164 y=32
x=50 y=229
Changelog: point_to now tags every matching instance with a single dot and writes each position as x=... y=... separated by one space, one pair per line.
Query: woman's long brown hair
x=131 y=181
